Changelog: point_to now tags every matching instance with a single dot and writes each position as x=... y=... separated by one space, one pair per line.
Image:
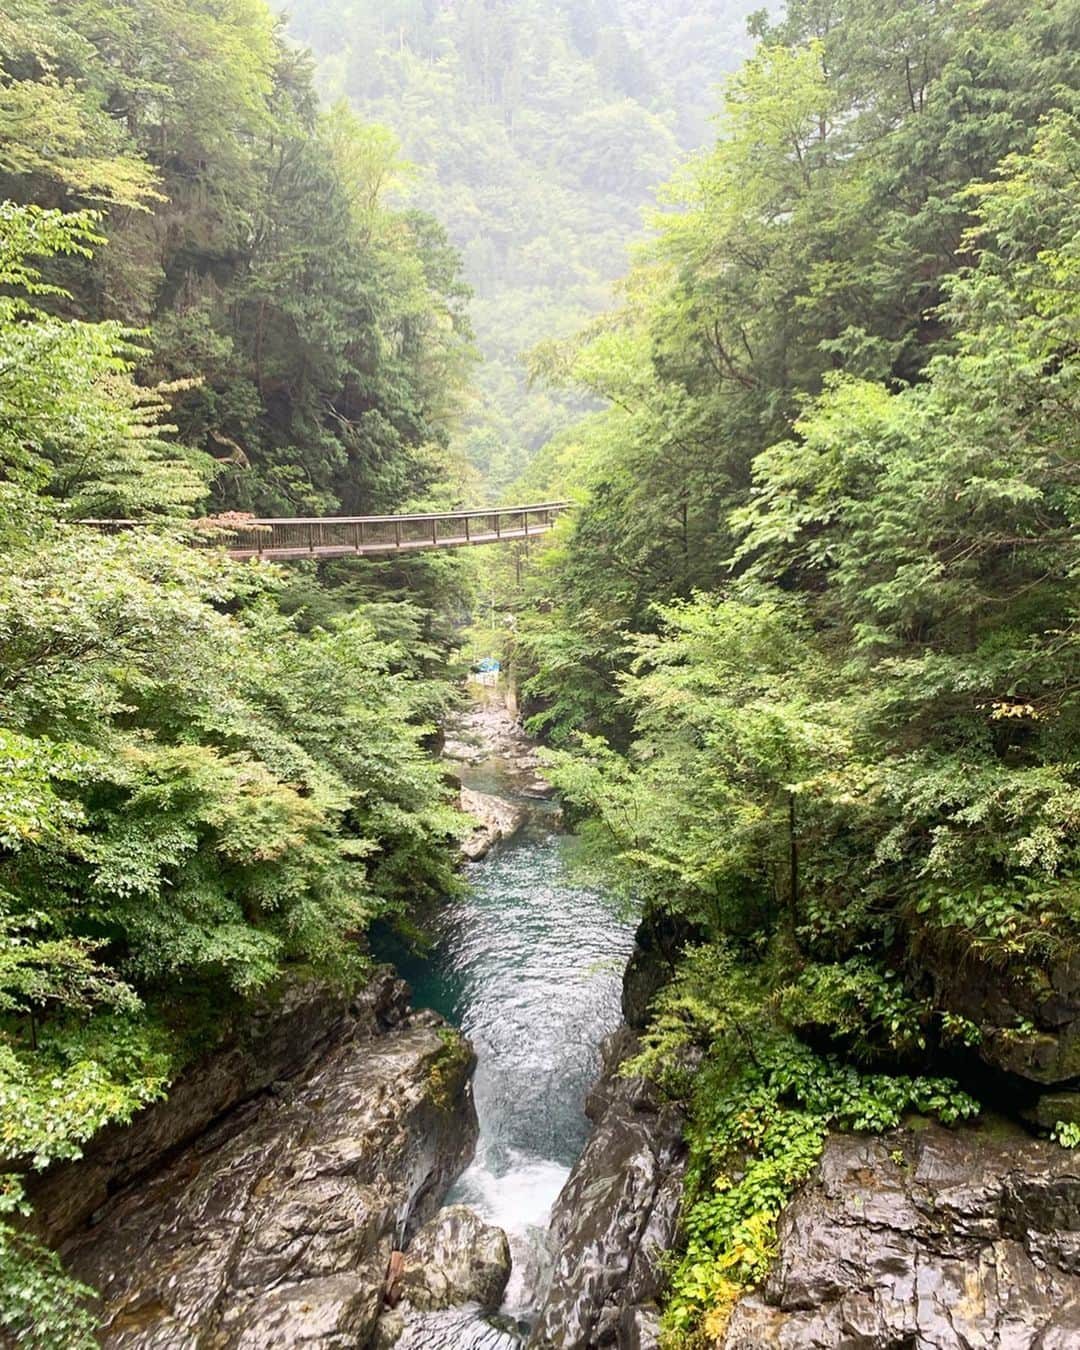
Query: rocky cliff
x=277 y=1040
x=926 y=1239
x=615 y=1218
x=618 y=1213
x=274 y=1226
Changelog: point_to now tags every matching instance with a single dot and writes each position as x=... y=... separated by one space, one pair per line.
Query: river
x=528 y=963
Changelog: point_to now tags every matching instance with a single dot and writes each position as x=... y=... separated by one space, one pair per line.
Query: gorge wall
x=260 y=1204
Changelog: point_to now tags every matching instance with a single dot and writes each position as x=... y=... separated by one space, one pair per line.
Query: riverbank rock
x=276 y=1040
x=658 y=945
x=489 y=731
x=614 y=1219
x=465 y=1328
x=496 y=819
x=456 y=1258
x=276 y=1227
x=926 y=1239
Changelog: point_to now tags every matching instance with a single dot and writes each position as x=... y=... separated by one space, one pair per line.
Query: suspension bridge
x=280 y=538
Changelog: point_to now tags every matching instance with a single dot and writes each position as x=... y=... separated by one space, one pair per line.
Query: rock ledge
x=275 y=1227
x=926 y=1239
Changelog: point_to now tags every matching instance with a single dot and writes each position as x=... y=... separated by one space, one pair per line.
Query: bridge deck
x=279 y=552
x=284 y=538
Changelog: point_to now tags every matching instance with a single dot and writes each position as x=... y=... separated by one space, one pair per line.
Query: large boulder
x=496 y=818
x=926 y=1239
x=464 y=1328
x=276 y=1227
x=1028 y=1014
x=456 y=1258
x=447 y=1288
x=614 y=1219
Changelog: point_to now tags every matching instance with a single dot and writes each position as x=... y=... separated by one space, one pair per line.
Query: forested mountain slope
x=807 y=651
x=811 y=640
x=539 y=130
x=320 y=334
x=204 y=301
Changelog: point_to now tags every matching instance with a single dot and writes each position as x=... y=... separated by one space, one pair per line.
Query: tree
x=200 y=790
x=817 y=609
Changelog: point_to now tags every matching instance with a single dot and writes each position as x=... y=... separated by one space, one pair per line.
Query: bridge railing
x=283 y=537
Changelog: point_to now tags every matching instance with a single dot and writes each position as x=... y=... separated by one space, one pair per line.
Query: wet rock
x=658 y=944
x=456 y=1329
x=613 y=1221
x=274 y=1041
x=1055 y=1107
x=464 y=751
x=926 y=1239
x=639 y=1328
x=620 y=1045
x=456 y=1258
x=1028 y=1016
x=643 y=979
x=497 y=819
x=275 y=1228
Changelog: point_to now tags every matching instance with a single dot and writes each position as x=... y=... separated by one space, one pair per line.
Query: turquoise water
x=529 y=965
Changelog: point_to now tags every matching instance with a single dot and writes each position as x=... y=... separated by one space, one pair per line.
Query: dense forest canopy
x=322 y=335
x=811 y=640
x=209 y=775
x=538 y=129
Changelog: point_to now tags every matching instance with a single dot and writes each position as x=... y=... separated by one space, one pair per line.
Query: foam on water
x=518 y=1200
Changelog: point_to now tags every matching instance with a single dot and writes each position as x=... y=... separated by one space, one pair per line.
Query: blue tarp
x=488 y=665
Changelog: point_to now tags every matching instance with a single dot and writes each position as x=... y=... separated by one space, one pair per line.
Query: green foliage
x=815 y=242
x=270 y=783
x=698 y=816
x=808 y=646
x=761 y=1104
x=767 y=1125
x=448 y=1068
x=39 y=1304
x=202 y=785
x=52 y=1106
x=311 y=339
x=1067 y=1134
x=540 y=130
x=72 y=420
x=81 y=1077
x=859 y=1003
x=36 y=974
x=873 y=728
